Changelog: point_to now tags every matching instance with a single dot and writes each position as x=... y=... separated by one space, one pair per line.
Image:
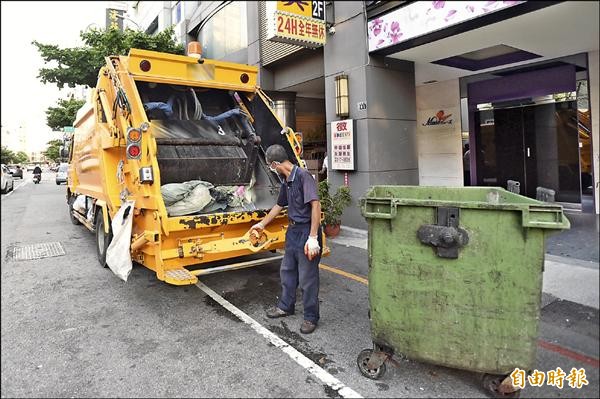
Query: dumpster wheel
x=493 y=384
x=363 y=361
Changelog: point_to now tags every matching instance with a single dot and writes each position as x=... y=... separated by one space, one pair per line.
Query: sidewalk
x=565 y=278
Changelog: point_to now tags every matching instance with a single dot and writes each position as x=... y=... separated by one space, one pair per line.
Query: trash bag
x=79 y=204
x=90 y=214
x=233 y=196
x=198 y=198
x=174 y=192
x=118 y=254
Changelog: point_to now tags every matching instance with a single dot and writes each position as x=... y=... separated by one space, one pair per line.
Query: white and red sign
x=343 y=145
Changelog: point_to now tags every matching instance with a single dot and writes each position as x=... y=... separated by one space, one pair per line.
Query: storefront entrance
x=534 y=146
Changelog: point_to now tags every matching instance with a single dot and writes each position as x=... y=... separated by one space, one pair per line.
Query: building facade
x=515 y=81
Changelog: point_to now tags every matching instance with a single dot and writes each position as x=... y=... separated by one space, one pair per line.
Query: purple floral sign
x=422 y=17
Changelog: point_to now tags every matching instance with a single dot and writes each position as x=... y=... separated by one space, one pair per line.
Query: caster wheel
x=492 y=383
x=363 y=360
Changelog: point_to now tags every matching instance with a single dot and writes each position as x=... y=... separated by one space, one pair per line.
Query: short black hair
x=276 y=153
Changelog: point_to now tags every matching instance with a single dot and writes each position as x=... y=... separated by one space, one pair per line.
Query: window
x=153 y=27
x=226 y=32
x=176 y=12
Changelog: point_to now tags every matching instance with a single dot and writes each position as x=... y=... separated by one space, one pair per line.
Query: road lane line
x=344 y=273
x=309 y=365
x=541 y=343
x=16 y=188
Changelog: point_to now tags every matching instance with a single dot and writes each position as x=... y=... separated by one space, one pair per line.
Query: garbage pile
x=200 y=197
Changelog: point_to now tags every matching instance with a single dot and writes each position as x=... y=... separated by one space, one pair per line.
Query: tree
x=6 y=155
x=63 y=114
x=21 y=157
x=53 y=150
x=80 y=65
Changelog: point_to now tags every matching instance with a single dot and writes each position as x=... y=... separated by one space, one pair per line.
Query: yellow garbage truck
x=184 y=138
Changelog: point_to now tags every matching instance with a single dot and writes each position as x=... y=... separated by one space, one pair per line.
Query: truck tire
x=102 y=239
x=74 y=220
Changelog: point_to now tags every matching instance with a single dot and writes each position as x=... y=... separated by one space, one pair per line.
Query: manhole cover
x=36 y=251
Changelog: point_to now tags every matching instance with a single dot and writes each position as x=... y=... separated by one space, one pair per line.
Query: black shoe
x=275 y=312
x=307 y=327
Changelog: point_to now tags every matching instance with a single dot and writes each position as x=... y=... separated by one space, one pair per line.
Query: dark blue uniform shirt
x=297 y=193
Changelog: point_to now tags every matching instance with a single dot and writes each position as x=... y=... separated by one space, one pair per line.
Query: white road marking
x=298 y=357
x=15 y=188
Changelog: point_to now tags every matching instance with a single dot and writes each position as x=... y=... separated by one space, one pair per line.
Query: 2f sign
x=318 y=10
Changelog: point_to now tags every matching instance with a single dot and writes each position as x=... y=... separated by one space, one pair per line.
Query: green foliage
x=53 y=150
x=63 y=114
x=80 y=65
x=21 y=157
x=6 y=155
x=333 y=205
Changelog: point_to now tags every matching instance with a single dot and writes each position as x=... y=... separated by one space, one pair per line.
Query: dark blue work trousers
x=296 y=270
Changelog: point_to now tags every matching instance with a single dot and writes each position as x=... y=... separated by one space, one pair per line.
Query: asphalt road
x=70 y=328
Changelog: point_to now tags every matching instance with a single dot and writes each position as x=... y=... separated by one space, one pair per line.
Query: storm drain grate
x=37 y=251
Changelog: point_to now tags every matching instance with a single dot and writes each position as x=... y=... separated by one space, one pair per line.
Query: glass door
x=499 y=147
x=552 y=150
x=534 y=145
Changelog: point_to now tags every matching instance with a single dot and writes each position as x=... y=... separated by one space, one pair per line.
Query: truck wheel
x=74 y=220
x=102 y=239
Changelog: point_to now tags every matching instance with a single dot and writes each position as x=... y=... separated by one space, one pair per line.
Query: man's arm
x=271 y=215
x=311 y=248
x=260 y=226
x=315 y=217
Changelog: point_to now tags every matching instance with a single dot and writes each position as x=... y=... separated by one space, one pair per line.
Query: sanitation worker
x=300 y=264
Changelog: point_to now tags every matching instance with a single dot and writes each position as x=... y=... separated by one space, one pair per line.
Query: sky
x=24 y=98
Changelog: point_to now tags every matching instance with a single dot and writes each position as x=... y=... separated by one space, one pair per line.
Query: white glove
x=311 y=248
x=258 y=226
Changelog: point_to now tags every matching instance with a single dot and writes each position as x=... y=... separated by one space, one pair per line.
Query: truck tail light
x=134 y=135
x=134 y=138
x=133 y=151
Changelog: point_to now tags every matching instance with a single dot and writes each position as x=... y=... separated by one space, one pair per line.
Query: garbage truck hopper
x=185 y=139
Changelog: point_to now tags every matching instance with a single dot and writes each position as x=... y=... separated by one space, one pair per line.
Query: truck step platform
x=180 y=277
x=236 y=266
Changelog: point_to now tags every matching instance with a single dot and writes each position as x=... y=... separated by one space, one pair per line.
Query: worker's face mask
x=273 y=166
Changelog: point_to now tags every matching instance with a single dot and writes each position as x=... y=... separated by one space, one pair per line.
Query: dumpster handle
x=381 y=215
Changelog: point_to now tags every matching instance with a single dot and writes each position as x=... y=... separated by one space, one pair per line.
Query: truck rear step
x=185 y=277
x=236 y=266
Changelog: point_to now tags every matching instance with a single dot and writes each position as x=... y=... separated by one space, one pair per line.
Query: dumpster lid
x=382 y=201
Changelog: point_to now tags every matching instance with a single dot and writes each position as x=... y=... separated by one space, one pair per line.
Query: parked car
x=15 y=171
x=7 y=184
x=61 y=173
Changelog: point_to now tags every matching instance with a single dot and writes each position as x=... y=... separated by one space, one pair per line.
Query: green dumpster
x=455 y=277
